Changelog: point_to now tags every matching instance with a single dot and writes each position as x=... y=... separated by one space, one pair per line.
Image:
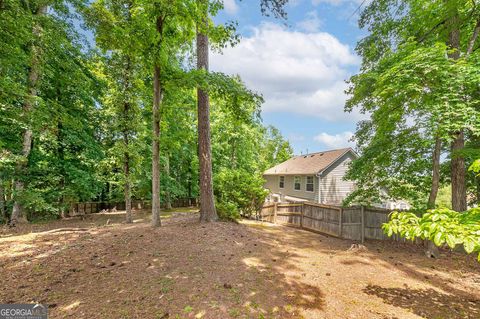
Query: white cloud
x=297 y=72
x=335 y=141
x=311 y=23
x=230 y=6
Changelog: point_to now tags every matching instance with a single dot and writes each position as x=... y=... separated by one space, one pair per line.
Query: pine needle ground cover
x=98 y=267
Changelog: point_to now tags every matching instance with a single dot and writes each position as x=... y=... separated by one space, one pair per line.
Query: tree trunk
x=33 y=77
x=156 y=149
x=126 y=155
x=157 y=100
x=3 y=210
x=435 y=173
x=127 y=187
x=431 y=250
x=459 y=190
x=168 y=201
x=208 y=212
x=61 y=157
x=126 y=171
x=189 y=183
x=126 y=131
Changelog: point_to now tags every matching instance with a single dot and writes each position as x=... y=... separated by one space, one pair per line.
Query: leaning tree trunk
x=208 y=212
x=33 y=77
x=432 y=250
x=458 y=170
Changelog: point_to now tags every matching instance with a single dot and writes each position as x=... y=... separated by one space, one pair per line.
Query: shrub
x=227 y=211
x=238 y=193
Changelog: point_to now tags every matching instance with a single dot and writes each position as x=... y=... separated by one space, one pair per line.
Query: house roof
x=309 y=164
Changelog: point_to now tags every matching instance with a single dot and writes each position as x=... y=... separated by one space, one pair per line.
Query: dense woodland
x=118 y=120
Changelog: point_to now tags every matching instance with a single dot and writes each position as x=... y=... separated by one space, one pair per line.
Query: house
x=316 y=177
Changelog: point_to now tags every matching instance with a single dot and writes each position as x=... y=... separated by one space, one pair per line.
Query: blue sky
x=299 y=66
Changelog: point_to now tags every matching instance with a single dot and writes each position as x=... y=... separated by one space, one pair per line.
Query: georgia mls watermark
x=23 y=311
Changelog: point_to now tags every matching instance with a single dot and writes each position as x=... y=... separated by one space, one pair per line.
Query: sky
x=299 y=66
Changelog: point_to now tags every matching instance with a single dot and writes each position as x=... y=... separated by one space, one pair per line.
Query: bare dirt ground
x=224 y=270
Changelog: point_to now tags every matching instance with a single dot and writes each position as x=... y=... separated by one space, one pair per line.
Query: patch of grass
x=234 y=312
x=254 y=305
x=165 y=284
x=187 y=309
x=235 y=294
x=288 y=308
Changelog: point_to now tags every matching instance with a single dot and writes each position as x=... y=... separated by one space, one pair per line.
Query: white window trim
x=300 y=183
x=313 y=183
x=279 y=178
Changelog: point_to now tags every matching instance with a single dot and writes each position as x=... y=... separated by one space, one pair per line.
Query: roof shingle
x=309 y=164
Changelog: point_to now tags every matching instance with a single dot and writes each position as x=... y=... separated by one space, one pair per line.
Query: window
x=296 y=183
x=309 y=184
x=281 y=182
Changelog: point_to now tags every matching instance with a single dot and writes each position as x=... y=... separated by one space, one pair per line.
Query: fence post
x=340 y=223
x=363 y=223
x=302 y=208
x=275 y=213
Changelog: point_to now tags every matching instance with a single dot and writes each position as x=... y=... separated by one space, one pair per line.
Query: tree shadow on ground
x=428 y=303
x=184 y=269
x=452 y=277
x=414 y=264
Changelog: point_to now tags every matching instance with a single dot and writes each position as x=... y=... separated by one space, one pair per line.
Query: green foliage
x=414 y=94
x=238 y=192
x=440 y=226
x=93 y=106
x=444 y=197
x=227 y=210
x=475 y=167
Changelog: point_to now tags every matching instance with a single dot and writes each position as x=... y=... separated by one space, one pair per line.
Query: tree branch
x=474 y=37
x=423 y=37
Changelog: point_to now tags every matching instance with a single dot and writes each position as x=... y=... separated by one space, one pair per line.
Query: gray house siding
x=333 y=189
x=273 y=181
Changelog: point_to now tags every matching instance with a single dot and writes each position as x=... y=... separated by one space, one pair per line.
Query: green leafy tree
x=420 y=93
x=45 y=96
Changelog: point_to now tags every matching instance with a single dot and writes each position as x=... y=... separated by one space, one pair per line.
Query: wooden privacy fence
x=355 y=223
x=96 y=207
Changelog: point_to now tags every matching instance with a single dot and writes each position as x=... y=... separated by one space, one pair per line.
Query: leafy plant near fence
x=440 y=226
x=238 y=193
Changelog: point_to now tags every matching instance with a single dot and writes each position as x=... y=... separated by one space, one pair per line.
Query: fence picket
x=356 y=222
